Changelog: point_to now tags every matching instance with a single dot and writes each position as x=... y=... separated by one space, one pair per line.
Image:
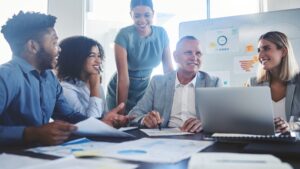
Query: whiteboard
x=229 y=44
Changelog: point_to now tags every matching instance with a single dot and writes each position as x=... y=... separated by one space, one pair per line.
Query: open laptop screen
x=246 y=110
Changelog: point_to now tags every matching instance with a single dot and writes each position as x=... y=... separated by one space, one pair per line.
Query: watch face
x=222 y=40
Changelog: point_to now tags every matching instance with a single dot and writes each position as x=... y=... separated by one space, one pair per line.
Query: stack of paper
x=235 y=161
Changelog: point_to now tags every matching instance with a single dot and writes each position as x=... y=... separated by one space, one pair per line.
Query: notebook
x=237 y=113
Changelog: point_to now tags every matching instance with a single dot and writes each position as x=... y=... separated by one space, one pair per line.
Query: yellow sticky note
x=85 y=154
x=212 y=45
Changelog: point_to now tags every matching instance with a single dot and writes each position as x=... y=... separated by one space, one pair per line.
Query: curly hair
x=25 y=26
x=75 y=50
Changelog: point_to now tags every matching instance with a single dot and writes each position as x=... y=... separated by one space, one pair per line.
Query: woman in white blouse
x=78 y=68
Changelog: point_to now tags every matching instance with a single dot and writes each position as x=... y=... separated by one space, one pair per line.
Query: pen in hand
x=158 y=118
x=159 y=126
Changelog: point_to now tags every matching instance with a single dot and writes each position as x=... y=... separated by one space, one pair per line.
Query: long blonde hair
x=288 y=67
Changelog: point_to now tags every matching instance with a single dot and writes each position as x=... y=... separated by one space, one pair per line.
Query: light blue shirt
x=78 y=96
x=143 y=53
x=28 y=98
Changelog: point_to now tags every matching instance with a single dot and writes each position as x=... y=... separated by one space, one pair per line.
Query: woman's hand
x=281 y=125
x=94 y=83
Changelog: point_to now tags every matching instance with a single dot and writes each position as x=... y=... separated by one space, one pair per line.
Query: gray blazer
x=292 y=98
x=160 y=92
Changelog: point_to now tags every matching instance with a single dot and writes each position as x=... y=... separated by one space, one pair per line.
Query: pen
x=159 y=126
x=158 y=116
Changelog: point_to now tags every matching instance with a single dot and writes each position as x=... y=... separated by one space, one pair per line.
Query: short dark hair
x=135 y=3
x=25 y=26
x=74 y=52
x=188 y=37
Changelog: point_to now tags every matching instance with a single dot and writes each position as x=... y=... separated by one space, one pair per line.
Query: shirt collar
x=28 y=68
x=24 y=65
x=191 y=83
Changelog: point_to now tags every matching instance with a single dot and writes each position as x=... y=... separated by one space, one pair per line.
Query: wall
x=105 y=32
x=230 y=43
x=70 y=16
x=275 y=5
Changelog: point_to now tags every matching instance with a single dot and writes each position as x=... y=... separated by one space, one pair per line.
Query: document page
x=164 y=132
x=206 y=160
x=95 y=127
x=69 y=148
x=155 y=150
x=76 y=163
x=11 y=161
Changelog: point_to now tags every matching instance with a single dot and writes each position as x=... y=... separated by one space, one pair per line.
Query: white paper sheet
x=127 y=128
x=164 y=132
x=95 y=127
x=156 y=150
x=11 y=161
x=75 y=163
x=235 y=161
x=68 y=148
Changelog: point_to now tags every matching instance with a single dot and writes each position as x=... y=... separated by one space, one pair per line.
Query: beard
x=45 y=60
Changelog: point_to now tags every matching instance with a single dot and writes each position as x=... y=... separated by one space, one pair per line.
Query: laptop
x=244 y=110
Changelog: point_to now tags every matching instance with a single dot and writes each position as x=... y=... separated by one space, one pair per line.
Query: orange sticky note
x=249 y=48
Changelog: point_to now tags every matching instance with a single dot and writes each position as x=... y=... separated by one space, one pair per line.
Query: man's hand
x=281 y=125
x=192 y=125
x=115 y=118
x=152 y=119
x=49 y=134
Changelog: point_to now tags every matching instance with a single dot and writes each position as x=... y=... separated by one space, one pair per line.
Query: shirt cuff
x=11 y=135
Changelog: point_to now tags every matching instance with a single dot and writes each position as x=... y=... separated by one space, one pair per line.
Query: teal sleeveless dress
x=143 y=54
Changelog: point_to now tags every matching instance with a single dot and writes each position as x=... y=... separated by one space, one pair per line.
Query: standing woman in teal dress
x=138 y=49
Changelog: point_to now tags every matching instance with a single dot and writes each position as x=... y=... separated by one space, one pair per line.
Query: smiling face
x=48 y=52
x=92 y=63
x=269 y=55
x=188 y=56
x=142 y=17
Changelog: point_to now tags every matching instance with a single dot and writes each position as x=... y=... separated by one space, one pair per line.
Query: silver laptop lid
x=247 y=110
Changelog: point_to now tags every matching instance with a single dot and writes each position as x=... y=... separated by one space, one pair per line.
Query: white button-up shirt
x=183 y=106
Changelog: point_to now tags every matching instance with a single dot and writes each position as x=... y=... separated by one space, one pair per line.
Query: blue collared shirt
x=28 y=98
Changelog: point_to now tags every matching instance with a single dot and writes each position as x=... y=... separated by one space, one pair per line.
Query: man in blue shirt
x=29 y=92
